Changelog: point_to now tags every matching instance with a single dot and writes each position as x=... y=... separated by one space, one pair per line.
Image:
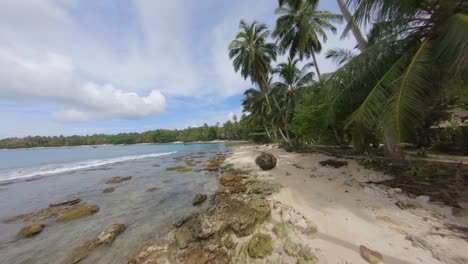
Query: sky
x=109 y=66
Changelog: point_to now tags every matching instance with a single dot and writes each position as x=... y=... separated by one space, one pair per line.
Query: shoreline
x=349 y=213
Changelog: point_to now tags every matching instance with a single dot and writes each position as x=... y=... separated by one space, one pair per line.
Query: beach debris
x=154 y=252
x=333 y=163
x=183 y=237
x=77 y=213
x=108 y=190
x=106 y=237
x=266 y=161
x=68 y=202
x=370 y=255
x=151 y=189
x=260 y=245
x=199 y=199
x=118 y=179
x=29 y=231
x=423 y=199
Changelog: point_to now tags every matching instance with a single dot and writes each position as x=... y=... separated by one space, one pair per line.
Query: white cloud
x=52 y=77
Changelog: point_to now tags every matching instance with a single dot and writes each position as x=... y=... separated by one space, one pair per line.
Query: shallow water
x=147 y=215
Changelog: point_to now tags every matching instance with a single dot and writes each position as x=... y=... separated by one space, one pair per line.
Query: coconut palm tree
x=251 y=53
x=420 y=55
x=362 y=43
x=301 y=28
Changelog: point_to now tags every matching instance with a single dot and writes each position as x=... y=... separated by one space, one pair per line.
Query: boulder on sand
x=266 y=161
x=30 y=230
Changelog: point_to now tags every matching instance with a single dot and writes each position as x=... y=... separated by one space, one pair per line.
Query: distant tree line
x=231 y=130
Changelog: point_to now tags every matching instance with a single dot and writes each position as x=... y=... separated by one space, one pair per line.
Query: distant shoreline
x=145 y=143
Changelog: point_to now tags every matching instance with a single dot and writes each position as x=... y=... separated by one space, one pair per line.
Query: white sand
x=353 y=214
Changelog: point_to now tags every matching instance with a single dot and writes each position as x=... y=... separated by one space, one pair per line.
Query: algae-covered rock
x=154 y=252
x=204 y=256
x=77 y=212
x=108 y=190
x=370 y=255
x=262 y=207
x=289 y=247
x=230 y=178
x=229 y=242
x=199 y=199
x=179 y=169
x=305 y=256
x=266 y=161
x=118 y=179
x=281 y=230
x=110 y=234
x=260 y=246
x=151 y=189
x=183 y=237
x=29 y=231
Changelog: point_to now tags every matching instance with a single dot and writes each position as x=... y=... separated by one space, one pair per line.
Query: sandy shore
x=350 y=213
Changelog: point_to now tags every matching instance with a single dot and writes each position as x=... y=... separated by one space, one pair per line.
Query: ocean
x=31 y=179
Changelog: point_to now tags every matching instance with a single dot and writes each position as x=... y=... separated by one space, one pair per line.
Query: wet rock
x=110 y=234
x=183 y=237
x=227 y=213
x=202 y=256
x=260 y=246
x=118 y=179
x=230 y=178
x=105 y=237
x=370 y=255
x=77 y=213
x=266 y=161
x=333 y=163
x=29 y=231
x=155 y=252
x=68 y=202
x=152 y=189
x=108 y=190
x=305 y=256
x=43 y=214
x=199 y=199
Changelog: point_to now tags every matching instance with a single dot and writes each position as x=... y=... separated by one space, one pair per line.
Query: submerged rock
x=203 y=256
x=199 y=199
x=110 y=234
x=179 y=169
x=108 y=190
x=260 y=246
x=68 y=202
x=333 y=163
x=29 y=231
x=118 y=179
x=370 y=255
x=77 y=212
x=155 y=252
x=266 y=161
x=152 y=189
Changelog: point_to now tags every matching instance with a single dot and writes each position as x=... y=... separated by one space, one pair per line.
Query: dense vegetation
x=231 y=130
x=396 y=89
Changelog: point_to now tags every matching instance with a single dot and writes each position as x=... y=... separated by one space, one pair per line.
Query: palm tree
x=362 y=43
x=300 y=29
x=256 y=106
x=419 y=56
x=251 y=53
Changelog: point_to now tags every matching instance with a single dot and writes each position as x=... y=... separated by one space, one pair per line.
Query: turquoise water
x=34 y=178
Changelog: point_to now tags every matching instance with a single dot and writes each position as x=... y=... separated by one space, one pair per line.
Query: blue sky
x=109 y=66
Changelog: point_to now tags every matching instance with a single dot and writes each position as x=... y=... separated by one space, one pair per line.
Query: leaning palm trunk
x=316 y=67
x=362 y=43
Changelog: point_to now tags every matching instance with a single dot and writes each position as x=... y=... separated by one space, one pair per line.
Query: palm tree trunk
x=276 y=135
x=316 y=67
x=266 y=130
x=362 y=43
x=283 y=136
